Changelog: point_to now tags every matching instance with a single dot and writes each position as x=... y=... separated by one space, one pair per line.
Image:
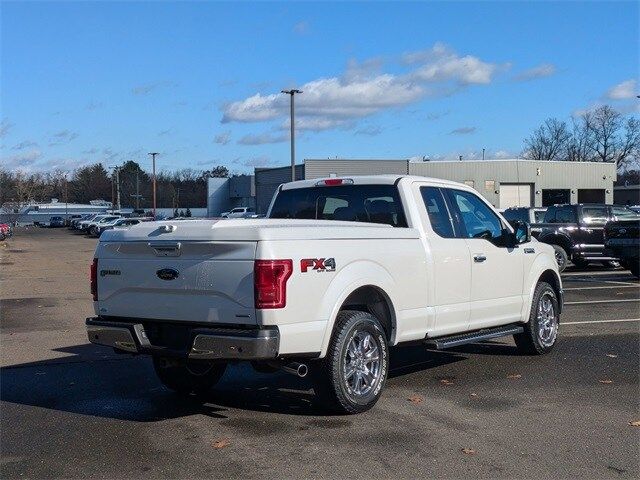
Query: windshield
x=356 y=203
x=519 y=214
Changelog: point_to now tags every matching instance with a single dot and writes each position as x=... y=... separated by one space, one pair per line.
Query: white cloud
x=21 y=161
x=147 y=88
x=328 y=98
x=363 y=90
x=5 y=126
x=62 y=137
x=24 y=144
x=222 y=138
x=260 y=161
x=262 y=139
x=370 y=130
x=440 y=64
x=541 y=71
x=463 y=131
x=622 y=91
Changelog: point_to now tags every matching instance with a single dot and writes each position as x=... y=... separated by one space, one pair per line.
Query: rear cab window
x=595 y=215
x=355 y=203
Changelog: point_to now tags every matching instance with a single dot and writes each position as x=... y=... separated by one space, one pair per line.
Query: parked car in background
x=69 y=220
x=528 y=215
x=82 y=223
x=93 y=227
x=239 y=212
x=576 y=232
x=55 y=222
x=622 y=240
x=119 y=223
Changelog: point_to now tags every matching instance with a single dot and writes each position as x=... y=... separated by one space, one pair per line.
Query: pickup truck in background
x=342 y=269
x=622 y=239
x=576 y=232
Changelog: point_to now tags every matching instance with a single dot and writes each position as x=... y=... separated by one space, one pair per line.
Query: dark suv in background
x=577 y=232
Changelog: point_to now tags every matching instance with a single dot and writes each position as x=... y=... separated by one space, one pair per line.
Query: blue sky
x=86 y=82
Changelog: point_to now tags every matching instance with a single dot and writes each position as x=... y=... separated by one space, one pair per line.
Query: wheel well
x=559 y=241
x=551 y=278
x=374 y=301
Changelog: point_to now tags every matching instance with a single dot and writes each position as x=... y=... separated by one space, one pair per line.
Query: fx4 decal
x=318 y=264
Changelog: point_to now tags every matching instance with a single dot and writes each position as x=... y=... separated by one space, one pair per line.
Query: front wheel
x=351 y=377
x=541 y=332
x=561 y=257
x=186 y=377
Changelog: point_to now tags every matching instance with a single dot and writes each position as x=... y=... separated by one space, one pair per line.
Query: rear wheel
x=580 y=263
x=351 y=377
x=561 y=257
x=635 y=269
x=541 y=332
x=186 y=377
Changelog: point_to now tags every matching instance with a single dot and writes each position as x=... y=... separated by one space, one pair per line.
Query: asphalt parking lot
x=71 y=409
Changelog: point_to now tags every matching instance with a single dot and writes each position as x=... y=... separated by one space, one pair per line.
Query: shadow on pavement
x=125 y=387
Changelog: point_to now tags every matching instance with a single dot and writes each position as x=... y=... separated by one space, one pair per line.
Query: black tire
x=561 y=257
x=188 y=377
x=332 y=384
x=580 y=263
x=532 y=341
x=635 y=268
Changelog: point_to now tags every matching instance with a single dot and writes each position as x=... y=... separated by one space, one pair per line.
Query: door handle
x=479 y=258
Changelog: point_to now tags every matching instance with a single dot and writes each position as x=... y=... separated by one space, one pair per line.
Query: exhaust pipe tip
x=302 y=370
x=295 y=368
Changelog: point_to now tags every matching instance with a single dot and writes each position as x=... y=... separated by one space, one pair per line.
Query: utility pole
x=116 y=169
x=153 y=156
x=137 y=196
x=66 y=198
x=292 y=93
x=483 y=154
x=118 y=187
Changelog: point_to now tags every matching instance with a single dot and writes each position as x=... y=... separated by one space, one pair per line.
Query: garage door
x=591 y=195
x=515 y=195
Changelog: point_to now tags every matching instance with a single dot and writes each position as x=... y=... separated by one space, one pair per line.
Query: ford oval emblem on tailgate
x=167 y=274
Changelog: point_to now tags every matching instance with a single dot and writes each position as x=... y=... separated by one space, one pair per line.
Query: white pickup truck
x=341 y=269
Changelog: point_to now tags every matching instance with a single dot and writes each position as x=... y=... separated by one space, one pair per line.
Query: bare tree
x=612 y=138
x=550 y=141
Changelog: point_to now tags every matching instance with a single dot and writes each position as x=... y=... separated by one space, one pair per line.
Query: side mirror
x=522 y=232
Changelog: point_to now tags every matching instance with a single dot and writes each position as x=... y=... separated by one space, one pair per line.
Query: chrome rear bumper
x=205 y=344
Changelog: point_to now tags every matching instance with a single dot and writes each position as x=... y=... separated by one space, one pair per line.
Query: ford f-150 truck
x=341 y=269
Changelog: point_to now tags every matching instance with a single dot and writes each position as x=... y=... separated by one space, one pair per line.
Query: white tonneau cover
x=255 y=230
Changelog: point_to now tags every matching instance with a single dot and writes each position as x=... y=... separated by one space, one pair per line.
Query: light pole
x=116 y=169
x=292 y=94
x=153 y=156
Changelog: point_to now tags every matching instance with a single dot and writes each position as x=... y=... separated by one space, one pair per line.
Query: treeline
x=600 y=135
x=180 y=189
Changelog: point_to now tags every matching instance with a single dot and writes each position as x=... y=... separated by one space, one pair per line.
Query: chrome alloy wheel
x=547 y=320
x=362 y=365
x=559 y=259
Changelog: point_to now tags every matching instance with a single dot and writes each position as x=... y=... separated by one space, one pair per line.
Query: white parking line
x=603 y=301
x=612 y=274
x=602 y=321
x=604 y=286
x=593 y=280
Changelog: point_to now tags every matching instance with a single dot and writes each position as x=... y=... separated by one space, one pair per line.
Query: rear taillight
x=270 y=282
x=94 y=279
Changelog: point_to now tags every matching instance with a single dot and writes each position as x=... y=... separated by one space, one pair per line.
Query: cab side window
x=477 y=219
x=438 y=213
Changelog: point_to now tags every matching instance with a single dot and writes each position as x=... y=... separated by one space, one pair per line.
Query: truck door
x=496 y=270
x=593 y=218
x=449 y=287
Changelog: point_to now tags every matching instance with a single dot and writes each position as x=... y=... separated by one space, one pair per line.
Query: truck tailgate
x=191 y=281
